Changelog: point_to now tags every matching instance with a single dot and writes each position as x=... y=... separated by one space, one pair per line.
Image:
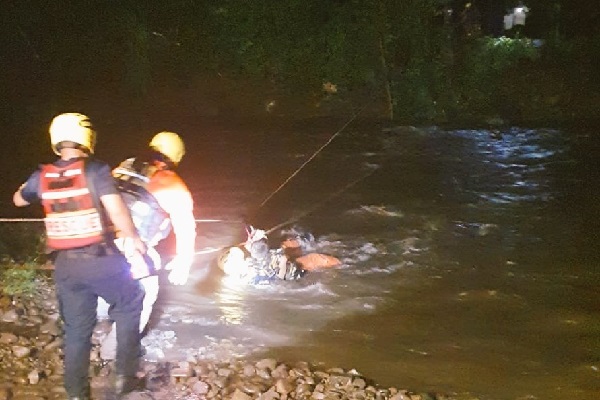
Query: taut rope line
x=331 y=197
x=41 y=220
x=311 y=157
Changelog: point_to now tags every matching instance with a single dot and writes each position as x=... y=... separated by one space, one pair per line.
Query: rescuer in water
x=252 y=262
x=159 y=201
x=83 y=209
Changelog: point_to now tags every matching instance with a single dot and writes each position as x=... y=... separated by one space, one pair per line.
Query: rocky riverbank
x=31 y=367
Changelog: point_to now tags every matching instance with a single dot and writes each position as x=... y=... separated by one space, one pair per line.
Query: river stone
x=200 y=370
x=303 y=389
x=42 y=341
x=263 y=373
x=250 y=387
x=55 y=344
x=271 y=395
x=359 y=383
x=33 y=377
x=321 y=375
x=138 y=396
x=10 y=316
x=267 y=363
x=51 y=328
x=283 y=386
x=239 y=395
x=200 y=388
x=225 y=372
x=21 y=351
x=280 y=372
x=340 y=381
x=318 y=396
x=8 y=338
x=249 y=370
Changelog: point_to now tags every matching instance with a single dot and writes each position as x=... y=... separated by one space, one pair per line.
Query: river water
x=469 y=256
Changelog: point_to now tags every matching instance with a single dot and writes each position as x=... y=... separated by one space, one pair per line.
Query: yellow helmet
x=72 y=127
x=170 y=145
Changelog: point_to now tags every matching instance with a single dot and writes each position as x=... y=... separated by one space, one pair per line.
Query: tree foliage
x=405 y=59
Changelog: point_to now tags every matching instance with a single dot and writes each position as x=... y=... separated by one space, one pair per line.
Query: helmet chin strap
x=72 y=145
x=160 y=160
x=68 y=153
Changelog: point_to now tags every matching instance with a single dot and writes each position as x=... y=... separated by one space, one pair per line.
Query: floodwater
x=470 y=257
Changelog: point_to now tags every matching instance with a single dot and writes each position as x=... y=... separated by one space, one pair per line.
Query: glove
x=180 y=269
x=131 y=246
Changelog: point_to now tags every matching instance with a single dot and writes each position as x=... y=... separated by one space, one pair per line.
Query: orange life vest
x=72 y=219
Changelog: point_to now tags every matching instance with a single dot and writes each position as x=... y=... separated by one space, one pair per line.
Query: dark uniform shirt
x=101 y=179
x=104 y=184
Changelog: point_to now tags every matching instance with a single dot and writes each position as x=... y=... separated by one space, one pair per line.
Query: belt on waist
x=91 y=251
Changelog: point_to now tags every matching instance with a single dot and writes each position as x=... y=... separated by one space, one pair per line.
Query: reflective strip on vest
x=72 y=219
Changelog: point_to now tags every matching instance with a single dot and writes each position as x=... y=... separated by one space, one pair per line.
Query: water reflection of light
x=230 y=301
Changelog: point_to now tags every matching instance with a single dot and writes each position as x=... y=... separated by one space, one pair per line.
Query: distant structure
x=509 y=20
x=519 y=17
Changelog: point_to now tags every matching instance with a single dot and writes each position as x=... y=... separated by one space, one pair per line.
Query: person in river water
x=252 y=262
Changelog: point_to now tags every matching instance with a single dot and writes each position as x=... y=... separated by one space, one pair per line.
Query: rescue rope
x=331 y=197
x=312 y=157
x=204 y=220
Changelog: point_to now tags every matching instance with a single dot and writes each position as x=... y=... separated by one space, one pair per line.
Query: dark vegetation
x=408 y=62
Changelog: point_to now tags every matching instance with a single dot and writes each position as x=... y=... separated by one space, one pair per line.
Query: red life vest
x=72 y=219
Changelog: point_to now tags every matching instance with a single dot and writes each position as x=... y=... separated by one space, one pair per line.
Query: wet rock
x=239 y=395
x=270 y=395
x=281 y=371
x=263 y=373
x=224 y=372
x=267 y=363
x=55 y=344
x=200 y=388
x=283 y=386
x=138 y=396
x=10 y=316
x=8 y=338
x=33 y=377
x=249 y=371
x=20 y=351
x=51 y=328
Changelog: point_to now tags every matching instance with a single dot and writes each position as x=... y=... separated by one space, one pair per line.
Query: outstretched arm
x=18 y=197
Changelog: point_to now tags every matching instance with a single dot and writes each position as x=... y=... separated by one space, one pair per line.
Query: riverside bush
x=22 y=243
x=485 y=87
x=18 y=279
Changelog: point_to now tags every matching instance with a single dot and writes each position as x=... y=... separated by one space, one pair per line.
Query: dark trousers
x=80 y=279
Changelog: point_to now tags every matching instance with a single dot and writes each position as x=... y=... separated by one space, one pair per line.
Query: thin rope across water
x=203 y=220
x=310 y=158
x=331 y=197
